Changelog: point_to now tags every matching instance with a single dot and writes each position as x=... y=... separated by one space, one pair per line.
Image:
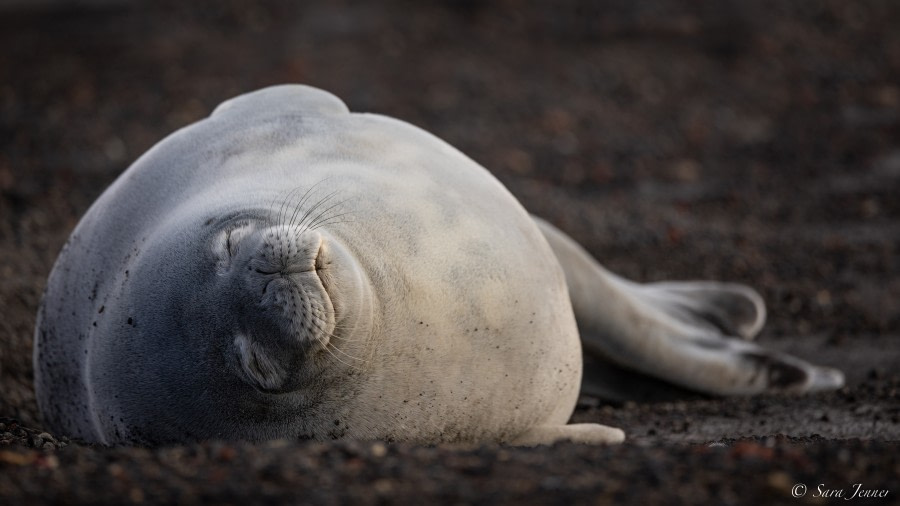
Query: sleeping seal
x=288 y=269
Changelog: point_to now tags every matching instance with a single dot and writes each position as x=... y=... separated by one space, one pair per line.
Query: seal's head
x=242 y=317
x=292 y=284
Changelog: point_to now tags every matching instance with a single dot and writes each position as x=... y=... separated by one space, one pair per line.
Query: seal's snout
x=285 y=250
x=286 y=266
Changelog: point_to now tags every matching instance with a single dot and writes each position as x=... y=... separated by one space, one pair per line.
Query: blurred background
x=749 y=141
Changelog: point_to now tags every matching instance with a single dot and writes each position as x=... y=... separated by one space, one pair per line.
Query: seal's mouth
x=288 y=274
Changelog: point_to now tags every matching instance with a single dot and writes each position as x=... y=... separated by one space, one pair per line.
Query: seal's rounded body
x=159 y=321
x=287 y=269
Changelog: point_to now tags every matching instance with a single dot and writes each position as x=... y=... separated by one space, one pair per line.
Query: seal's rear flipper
x=678 y=332
x=729 y=308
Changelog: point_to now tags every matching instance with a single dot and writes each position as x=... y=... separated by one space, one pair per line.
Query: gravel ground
x=748 y=141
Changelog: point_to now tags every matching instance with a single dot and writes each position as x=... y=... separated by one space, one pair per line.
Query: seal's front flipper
x=586 y=433
x=678 y=332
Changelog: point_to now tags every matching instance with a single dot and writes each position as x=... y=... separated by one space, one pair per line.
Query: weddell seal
x=288 y=269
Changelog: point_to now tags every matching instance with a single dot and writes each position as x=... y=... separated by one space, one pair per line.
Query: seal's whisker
x=332 y=221
x=325 y=216
x=321 y=215
x=363 y=340
x=335 y=348
x=344 y=339
x=300 y=204
x=325 y=348
x=344 y=353
x=303 y=200
x=315 y=208
x=331 y=335
x=282 y=209
x=272 y=202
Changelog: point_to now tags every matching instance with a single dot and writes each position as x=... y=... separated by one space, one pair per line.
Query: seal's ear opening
x=259 y=368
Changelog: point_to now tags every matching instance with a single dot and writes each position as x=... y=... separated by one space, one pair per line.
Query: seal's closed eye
x=226 y=242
